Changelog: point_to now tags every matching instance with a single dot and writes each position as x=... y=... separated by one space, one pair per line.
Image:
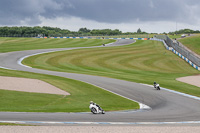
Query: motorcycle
x=157 y=86
x=96 y=109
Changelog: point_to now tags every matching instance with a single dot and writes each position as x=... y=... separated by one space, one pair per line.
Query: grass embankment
x=81 y=93
x=192 y=43
x=19 y=44
x=143 y=62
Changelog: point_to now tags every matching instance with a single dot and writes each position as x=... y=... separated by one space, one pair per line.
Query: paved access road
x=165 y=106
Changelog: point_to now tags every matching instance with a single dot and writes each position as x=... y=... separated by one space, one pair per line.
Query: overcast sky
x=125 y=15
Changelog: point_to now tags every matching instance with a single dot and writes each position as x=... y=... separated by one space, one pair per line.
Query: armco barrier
x=181 y=51
x=186 y=59
x=163 y=40
x=177 y=53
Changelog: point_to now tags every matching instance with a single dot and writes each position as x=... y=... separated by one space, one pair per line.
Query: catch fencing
x=178 y=49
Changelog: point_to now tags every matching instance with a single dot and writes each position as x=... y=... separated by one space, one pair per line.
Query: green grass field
x=81 y=93
x=192 y=43
x=143 y=62
x=19 y=44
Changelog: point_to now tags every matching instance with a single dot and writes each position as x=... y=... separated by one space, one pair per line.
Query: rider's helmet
x=154 y=82
x=91 y=102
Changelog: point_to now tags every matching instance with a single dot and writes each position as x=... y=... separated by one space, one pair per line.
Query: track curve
x=166 y=106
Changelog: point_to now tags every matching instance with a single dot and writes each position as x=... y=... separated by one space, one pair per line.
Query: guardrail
x=183 y=53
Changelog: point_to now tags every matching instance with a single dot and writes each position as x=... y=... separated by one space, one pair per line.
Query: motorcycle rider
x=91 y=103
x=154 y=84
x=98 y=108
x=157 y=86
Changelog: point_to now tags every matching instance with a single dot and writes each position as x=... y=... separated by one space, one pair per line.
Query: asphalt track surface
x=165 y=106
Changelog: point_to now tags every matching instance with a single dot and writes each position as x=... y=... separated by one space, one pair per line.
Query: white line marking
x=19 y=62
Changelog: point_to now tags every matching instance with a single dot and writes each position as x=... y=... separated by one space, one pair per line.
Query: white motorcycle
x=157 y=86
x=96 y=109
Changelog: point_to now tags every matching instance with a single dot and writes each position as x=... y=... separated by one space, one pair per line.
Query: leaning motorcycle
x=96 y=109
x=157 y=86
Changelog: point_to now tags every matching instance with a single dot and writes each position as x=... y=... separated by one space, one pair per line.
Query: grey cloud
x=15 y=12
x=108 y=11
x=118 y=11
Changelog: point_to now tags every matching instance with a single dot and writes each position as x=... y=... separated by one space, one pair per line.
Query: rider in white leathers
x=96 y=109
x=157 y=86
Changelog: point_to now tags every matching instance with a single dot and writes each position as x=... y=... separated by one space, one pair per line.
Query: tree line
x=184 y=31
x=36 y=31
x=54 y=31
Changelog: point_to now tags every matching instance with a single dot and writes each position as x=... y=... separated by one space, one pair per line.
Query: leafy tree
x=185 y=31
x=84 y=30
x=139 y=31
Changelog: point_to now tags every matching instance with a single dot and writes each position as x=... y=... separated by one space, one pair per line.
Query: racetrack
x=165 y=106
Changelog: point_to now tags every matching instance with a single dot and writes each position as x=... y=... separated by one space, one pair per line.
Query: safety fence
x=175 y=47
